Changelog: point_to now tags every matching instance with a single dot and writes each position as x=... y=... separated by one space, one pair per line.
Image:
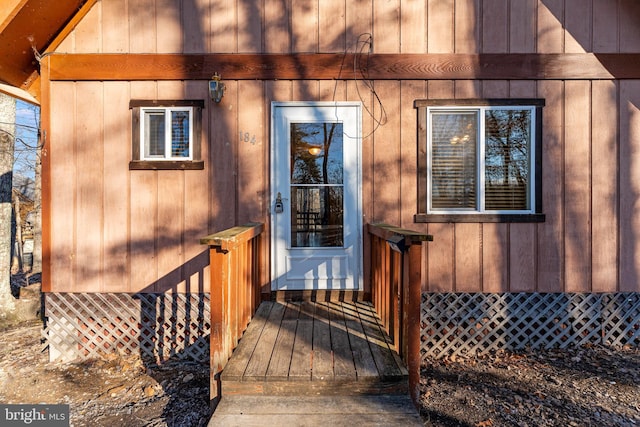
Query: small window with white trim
x=166 y=134
x=481 y=161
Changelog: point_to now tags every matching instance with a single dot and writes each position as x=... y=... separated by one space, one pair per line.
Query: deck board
x=302 y=348
x=258 y=363
x=307 y=348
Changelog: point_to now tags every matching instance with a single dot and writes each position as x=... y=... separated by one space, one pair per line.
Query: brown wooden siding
x=114 y=229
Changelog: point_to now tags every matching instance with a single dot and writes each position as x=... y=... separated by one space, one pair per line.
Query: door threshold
x=320 y=295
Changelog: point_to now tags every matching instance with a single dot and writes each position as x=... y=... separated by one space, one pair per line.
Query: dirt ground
x=586 y=386
x=592 y=386
x=114 y=392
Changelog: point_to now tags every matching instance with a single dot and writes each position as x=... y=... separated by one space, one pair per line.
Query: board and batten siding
x=120 y=230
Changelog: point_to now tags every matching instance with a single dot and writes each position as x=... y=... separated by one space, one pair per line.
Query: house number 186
x=247 y=137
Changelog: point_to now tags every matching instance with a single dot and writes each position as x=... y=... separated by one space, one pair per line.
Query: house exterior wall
x=116 y=230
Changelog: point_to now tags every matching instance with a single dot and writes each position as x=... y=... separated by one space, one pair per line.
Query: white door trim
x=358 y=250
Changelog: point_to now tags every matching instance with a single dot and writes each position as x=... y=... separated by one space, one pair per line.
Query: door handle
x=279 y=207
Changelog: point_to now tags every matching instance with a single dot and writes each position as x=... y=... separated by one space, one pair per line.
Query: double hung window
x=481 y=160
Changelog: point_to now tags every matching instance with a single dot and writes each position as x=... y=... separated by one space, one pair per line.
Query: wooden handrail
x=234 y=256
x=396 y=270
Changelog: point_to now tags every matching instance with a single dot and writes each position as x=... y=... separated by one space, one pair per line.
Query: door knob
x=279 y=207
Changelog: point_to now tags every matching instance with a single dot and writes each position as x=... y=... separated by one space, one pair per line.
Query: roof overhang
x=27 y=29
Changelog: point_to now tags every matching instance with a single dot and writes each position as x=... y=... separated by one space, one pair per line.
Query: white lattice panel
x=469 y=324
x=158 y=327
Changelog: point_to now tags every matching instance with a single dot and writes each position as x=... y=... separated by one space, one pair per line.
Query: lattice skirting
x=158 y=327
x=470 y=324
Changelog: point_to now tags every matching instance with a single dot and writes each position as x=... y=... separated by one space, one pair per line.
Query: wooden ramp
x=314 y=359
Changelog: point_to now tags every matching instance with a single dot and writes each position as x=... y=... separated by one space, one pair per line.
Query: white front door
x=315 y=206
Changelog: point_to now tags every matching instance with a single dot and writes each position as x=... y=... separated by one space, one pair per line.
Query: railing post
x=396 y=266
x=219 y=271
x=235 y=278
x=411 y=317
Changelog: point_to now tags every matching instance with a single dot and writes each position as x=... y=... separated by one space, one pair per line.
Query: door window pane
x=317 y=216
x=316 y=153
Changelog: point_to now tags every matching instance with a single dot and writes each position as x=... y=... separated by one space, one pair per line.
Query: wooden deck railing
x=235 y=291
x=396 y=269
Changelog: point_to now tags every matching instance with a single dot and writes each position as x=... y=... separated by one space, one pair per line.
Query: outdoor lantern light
x=216 y=88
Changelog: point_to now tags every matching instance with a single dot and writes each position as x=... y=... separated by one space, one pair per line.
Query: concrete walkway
x=311 y=411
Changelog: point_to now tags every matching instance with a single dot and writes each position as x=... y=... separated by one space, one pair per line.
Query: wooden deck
x=312 y=348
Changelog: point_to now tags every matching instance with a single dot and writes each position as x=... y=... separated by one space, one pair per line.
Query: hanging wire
x=361 y=73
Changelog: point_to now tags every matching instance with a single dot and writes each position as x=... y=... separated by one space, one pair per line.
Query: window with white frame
x=166 y=134
x=481 y=160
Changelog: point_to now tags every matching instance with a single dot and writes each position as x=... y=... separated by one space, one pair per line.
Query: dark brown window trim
x=478 y=218
x=196 y=164
x=422 y=217
x=166 y=103
x=166 y=165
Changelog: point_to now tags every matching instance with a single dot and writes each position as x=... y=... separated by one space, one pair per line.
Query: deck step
x=247 y=411
x=312 y=348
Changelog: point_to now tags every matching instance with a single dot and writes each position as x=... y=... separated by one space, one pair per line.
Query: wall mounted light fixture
x=216 y=88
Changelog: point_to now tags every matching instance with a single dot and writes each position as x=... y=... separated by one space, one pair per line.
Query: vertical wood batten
x=88 y=32
x=249 y=26
x=117 y=188
x=387 y=168
x=629 y=30
x=115 y=29
x=89 y=186
x=550 y=32
x=413 y=26
x=495 y=26
x=551 y=232
x=169 y=26
x=605 y=27
x=223 y=142
x=522 y=26
x=605 y=195
x=577 y=193
x=629 y=185
x=386 y=26
x=62 y=167
x=331 y=26
x=277 y=26
x=304 y=27
x=142 y=26
x=224 y=28
x=467 y=26
x=578 y=26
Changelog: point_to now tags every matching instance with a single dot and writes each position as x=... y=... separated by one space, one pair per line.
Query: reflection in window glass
x=180 y=133
x=507 y=145
x=316 y=153
x=317 y=203
x=317 y=216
